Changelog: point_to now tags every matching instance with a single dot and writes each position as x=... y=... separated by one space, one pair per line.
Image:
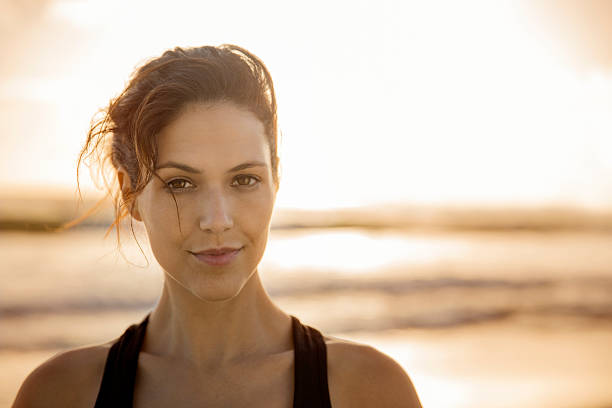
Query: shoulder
x=68 y=379
x=359 y=375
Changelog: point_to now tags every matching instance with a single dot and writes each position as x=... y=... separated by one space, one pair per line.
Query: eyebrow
x=189 y=169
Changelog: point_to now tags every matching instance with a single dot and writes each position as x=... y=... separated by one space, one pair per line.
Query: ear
x=125 y=186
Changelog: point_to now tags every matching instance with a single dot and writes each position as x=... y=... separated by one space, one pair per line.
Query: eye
x=245 y=180
x=178 y=184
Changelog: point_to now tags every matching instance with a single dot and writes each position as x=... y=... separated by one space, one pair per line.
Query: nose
x=215 y=214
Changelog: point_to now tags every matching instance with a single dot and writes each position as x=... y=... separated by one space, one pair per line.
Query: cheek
x=255 y=219
x=159 y=216
x=257 y=235
x=166 y=243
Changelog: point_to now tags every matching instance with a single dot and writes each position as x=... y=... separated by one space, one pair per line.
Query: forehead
x=208 y=135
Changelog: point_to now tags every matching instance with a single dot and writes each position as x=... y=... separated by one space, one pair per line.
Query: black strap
x=311 y=388
x=310 y=370
x=117 y=387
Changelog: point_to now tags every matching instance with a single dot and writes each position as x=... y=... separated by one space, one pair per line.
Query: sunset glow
x=473 y=105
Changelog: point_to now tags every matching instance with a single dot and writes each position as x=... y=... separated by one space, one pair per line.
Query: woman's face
x=216 y=160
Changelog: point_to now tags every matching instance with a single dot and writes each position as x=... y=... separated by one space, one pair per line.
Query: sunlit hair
x=124 y=133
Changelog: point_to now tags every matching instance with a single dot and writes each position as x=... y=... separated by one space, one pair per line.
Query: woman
x=192 y=141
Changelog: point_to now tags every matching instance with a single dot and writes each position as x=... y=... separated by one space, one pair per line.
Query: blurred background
x=446 y=183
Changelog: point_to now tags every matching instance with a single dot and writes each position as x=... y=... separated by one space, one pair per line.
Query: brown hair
x=125 y=134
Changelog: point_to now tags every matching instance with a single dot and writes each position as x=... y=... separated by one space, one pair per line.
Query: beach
x=477 y=319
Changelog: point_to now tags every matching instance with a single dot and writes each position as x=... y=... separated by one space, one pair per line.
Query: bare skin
x=215 y=338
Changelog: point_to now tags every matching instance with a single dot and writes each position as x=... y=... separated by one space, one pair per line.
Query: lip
x=217 y=256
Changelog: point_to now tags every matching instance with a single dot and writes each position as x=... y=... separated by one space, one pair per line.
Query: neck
x=218 y=333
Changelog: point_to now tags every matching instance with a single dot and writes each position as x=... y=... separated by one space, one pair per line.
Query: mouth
x=217 y=256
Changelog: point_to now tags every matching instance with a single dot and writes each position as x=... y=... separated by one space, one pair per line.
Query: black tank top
x=310 y=355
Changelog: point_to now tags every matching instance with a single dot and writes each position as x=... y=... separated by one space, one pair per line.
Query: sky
x=416 y=102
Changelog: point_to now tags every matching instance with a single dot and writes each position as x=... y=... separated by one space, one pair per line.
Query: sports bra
x=310 y=368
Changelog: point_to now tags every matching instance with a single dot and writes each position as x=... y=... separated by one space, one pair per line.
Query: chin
x=213 y=286
x=218 y=295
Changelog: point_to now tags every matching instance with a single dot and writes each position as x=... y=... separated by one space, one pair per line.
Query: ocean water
x=459 y=310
